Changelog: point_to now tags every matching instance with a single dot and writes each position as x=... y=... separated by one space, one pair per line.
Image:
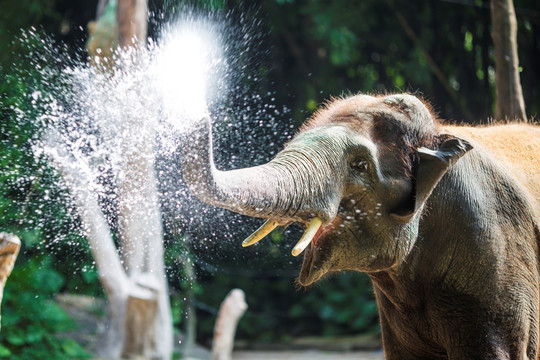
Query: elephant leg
x=486 y=341
x=394 y=349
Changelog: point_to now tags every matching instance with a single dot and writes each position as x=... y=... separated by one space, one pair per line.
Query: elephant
x=444 y=219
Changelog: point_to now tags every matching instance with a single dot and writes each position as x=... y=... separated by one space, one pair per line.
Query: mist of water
x=184 y=62
x=143 y=102
x=148 y=98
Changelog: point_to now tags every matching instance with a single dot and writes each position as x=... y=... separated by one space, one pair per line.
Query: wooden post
x=9 y=249
x=141 y=311
x=230 y=311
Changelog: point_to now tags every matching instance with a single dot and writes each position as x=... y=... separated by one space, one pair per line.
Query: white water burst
x=143 y=103
x=102 y=118
x=184 y=61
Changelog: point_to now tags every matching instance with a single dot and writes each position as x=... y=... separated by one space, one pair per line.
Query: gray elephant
x=444 y=219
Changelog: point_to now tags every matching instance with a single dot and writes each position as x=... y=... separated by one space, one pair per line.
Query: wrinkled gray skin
x=447 y=234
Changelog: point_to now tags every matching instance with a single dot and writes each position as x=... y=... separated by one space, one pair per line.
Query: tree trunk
x=133 y=275
x=142 y=241
x=150 y=324
x=138 y=310
x=190 y=313
x=142 y=308
x=509 y=104
x=9 y=249
x=131 y=18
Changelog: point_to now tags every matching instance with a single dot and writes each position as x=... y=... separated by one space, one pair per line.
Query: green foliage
x=330 y=48
x=33 y=206
x=30 y=317
x=22 y=14
x=343 y=304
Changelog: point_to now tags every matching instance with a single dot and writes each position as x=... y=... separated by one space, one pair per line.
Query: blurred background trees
x=300 y=54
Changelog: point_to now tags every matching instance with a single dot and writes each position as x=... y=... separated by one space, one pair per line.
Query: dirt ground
x=306 y=355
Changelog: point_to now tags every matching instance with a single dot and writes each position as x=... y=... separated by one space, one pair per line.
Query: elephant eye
x=359 y=165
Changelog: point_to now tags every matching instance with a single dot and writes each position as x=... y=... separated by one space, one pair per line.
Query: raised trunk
x=510 y=103
x=299 y=183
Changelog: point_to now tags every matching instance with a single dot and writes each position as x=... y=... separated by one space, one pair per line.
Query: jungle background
x=300 y=54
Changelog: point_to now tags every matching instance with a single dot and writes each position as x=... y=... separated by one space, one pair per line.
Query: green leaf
x=31 y=237
x=4 y=351
x=55 y=316
x=48 y=280
x=73 y=349
x=327 y=312
x=10 y=319
x=34 y=335
x=15 y=339
x=296 y=310
x=89 y=274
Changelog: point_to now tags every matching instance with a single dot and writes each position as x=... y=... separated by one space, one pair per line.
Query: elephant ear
x=432 y=165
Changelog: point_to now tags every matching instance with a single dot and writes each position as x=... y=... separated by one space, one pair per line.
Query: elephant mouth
x=315 y=244
x=316 y=261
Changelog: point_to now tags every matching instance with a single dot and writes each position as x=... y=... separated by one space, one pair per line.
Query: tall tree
x=510 y=103
x=133 y=273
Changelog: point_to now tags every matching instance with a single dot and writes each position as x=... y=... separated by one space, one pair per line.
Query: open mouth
x=314 y=265
x=316 y=256
x=313 y=232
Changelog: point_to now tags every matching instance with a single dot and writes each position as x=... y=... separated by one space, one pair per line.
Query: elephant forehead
x=384 y=119
x=344 y=111
x=409 y=107
x=339 y=135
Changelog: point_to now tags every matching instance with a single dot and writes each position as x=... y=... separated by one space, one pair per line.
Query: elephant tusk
x=309 y=234
x=260 y=233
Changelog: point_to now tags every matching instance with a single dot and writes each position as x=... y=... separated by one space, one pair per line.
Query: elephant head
x=357 y=174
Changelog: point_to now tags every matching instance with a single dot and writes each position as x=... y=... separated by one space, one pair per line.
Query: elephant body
x=470 y=287
x=444 y=219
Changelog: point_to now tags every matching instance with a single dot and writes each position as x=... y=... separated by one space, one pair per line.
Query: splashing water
x=183 y=63
x=94 y=119
x=108 y=115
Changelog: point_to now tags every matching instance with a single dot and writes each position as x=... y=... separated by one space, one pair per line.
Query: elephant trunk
x=298 y=184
